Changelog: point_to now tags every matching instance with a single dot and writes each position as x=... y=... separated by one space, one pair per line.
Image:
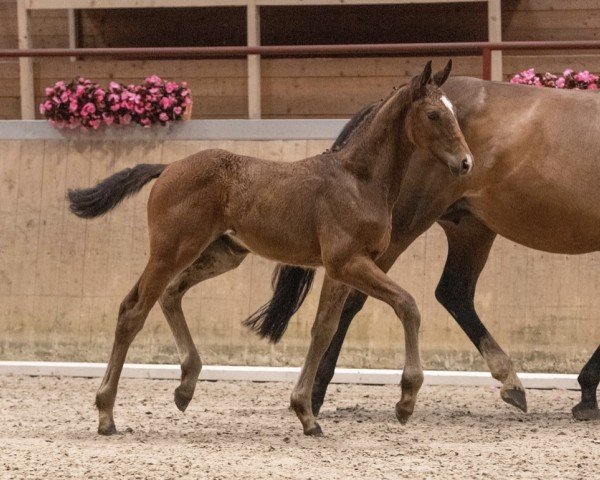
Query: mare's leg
x=363 y=274
x=469 y=244
x=589 y=378
x=219 y=257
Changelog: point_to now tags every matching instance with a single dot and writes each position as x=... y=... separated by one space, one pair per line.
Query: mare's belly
x=548 y=224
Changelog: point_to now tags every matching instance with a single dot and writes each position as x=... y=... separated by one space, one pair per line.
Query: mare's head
x=431 y=123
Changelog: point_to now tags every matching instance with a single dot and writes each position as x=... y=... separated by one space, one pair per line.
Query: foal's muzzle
x=462 y=167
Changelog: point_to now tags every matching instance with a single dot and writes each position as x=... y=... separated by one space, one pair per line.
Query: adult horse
x=333 y=210
x=536 y=182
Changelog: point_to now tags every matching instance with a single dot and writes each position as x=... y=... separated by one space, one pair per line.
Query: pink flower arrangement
x=83 y=104
x=569 y=79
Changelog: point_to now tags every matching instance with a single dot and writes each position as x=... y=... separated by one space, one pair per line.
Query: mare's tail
x=96 y=201
x=290 y=287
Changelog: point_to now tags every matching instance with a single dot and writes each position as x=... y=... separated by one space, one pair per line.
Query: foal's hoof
x=107 y=430
x=402 y=414
x=585 y=412
x=314 y=431
x=182 y=400
x=515 y=397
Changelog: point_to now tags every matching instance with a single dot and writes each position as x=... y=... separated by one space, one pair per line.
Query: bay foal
x=332 y=210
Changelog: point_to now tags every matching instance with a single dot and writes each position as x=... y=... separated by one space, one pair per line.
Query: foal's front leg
x=333 y=296
x=363 y=274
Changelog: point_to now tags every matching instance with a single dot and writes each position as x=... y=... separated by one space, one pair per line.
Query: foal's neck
x=379 y=154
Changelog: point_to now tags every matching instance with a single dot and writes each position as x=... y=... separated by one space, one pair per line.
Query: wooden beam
x=25 y=64
x=73 y=30
x=254 y=80
x=92 y=4
x=495 y=35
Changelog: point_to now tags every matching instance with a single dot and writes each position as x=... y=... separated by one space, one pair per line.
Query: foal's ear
x=418 y=85
x=440 y=77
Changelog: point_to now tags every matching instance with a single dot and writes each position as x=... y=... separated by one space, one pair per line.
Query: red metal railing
x=484 y=49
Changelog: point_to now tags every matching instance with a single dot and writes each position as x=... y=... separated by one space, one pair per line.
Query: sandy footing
x=244 y=430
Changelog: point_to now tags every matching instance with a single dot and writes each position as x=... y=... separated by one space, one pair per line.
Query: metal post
x=25 y=63
x=495 y=35
x=254 y=80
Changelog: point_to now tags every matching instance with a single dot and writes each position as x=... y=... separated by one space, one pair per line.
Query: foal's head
x=432 y=125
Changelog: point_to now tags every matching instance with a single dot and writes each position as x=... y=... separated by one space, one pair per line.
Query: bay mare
x=333 y=210
x=536 y=181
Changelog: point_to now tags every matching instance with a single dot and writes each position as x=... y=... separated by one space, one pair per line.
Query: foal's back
x=275 y=209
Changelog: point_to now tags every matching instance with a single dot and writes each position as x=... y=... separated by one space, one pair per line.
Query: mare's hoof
x=515 y=397
x=585 y=412
x=314 y=431
x=402 y=414
x=107 y=430
x=182 y=400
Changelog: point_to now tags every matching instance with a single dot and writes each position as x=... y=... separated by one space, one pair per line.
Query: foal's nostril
x=465 y=164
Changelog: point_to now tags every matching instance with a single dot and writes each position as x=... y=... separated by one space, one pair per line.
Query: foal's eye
x=433 y=115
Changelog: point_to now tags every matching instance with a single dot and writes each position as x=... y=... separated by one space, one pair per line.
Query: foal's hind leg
x=589 y=379
x=469 y=244
x=166 y=260
x=219 y=257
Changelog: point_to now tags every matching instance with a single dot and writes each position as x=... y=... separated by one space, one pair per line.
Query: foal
x=332 y=210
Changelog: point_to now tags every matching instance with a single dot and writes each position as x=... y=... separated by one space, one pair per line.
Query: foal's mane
x=363 y=119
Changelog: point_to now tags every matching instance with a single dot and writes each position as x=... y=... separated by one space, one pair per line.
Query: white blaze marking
x=448 y=104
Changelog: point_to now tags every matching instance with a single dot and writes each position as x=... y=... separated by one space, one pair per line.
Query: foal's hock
x=331 y=210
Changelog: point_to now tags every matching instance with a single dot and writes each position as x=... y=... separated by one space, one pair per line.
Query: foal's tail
x=96 y=201
x=290 y=287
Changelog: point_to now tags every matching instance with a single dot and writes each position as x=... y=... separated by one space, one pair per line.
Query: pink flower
x=177 y=110
x=95 y=124
x=568 y=72
x=125 y=119
x=154 y=79
x=88 y=109
x=114 y=86
x=170 y=87
x=165 y=102
x=560 y=83
x=49 y=91
x=108 y=119
x=593 y=86
x=73 y=106
x=79 y=91
x=64 y=97
x=146 y=122
x=163 y=117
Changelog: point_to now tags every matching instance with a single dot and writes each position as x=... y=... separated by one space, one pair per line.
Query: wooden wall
x=62 y=278
x=324 y=87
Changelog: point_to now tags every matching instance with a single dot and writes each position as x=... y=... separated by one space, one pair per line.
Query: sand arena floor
x=244 y=430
